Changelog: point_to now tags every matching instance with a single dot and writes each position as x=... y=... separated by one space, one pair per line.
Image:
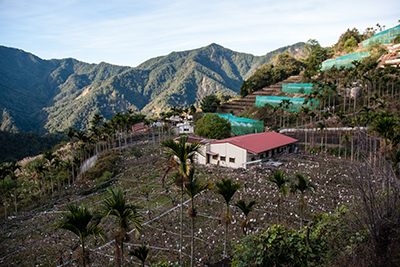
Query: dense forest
x=17 y=146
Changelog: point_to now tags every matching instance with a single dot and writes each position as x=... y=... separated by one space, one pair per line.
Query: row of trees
x=54 y=170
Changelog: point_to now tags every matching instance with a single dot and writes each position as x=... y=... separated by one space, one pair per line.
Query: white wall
x=228 y=151
x=201 y=158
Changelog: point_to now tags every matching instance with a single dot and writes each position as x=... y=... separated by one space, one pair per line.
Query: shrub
x=105 y=162
x=278 y=246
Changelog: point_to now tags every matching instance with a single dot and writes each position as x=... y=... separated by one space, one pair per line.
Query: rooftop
x=258 y=142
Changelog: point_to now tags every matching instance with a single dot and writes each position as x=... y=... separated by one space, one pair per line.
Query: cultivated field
x=31 y=239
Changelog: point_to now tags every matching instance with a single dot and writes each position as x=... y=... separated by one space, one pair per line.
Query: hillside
x=52 y=95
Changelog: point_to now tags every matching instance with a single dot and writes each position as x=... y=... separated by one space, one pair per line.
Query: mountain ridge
x=52 y=95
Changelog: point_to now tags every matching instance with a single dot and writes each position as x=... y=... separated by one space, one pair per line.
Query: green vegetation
x=210 y=103
x=278 y=246
x=285 y=66
x=53 y=95
x=16 y=146
x=212 y=126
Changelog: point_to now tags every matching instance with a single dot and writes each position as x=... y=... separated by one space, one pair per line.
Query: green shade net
x=383 y=37
x=344 y=61
x=297 y=88
x=296 y=105
x=241 y=126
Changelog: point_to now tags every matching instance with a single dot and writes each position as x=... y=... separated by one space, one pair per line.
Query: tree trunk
x=226 y=239
x=72 y=164
x=15 y=199
x=117 y=253
x=279 y=210
x=352 y=150
x=5 y=206
x=192 y=252
x=181 y=230
x=52 y=186
x=58 y=183
x=305 y=142
x=83 y=253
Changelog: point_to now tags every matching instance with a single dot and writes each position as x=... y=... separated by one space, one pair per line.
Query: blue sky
x=127 y=32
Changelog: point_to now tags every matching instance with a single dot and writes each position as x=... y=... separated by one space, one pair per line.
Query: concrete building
x=242 y=151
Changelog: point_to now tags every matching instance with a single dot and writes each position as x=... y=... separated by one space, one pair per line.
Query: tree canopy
x=212 y=126
x=210 y=103
x=285 y=66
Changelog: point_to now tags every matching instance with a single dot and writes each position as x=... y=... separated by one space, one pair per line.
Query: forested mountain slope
x=52 y=95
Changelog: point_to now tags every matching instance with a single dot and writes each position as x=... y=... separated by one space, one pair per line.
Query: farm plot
x=35 y=240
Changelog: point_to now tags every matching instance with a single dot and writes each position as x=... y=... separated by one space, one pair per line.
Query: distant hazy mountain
x=52 y=95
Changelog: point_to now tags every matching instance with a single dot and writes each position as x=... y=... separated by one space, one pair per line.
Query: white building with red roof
x=241 y=151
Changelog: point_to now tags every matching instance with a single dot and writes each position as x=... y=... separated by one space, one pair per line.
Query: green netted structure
x=296 y=105
x=383 y=37
x=297 y=88
x=241 y=126
x=344 y=61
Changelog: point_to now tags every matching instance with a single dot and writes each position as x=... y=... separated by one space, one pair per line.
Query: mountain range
x=52 y=95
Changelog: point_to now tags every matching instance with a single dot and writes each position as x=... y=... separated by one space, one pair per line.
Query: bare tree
x=379 y=206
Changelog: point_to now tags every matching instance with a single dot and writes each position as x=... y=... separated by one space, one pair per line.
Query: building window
x=215 y=156
x=232 y=160
x=222 y=158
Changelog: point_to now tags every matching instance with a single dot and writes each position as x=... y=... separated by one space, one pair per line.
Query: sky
x=129 y=32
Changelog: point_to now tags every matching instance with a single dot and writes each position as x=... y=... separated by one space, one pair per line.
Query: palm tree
x=141 y=252
x=83 y=223
x=82 y=141
x=278 y=178
x=56 y=165
x=125 y=213
x=193 y=188
x=71 y=134
x=13 y=167
x=321 y=126
x=345 y=138
x=226 y=189
x=4 y=171
x=49 y=156
x=180 y=156
x=95 y=124
x=39 y=170
x=303 y=185
x=246 y=209
x=385 y=125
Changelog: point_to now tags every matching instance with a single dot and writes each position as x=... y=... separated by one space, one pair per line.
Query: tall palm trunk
x=117 y=253
x=15 y=198
x=72 y=163
x=5 y=206
x=181 y=230
x=83 y=252
x=192 y=233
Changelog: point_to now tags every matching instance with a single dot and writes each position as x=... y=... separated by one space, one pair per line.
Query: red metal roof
x=258 y=142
